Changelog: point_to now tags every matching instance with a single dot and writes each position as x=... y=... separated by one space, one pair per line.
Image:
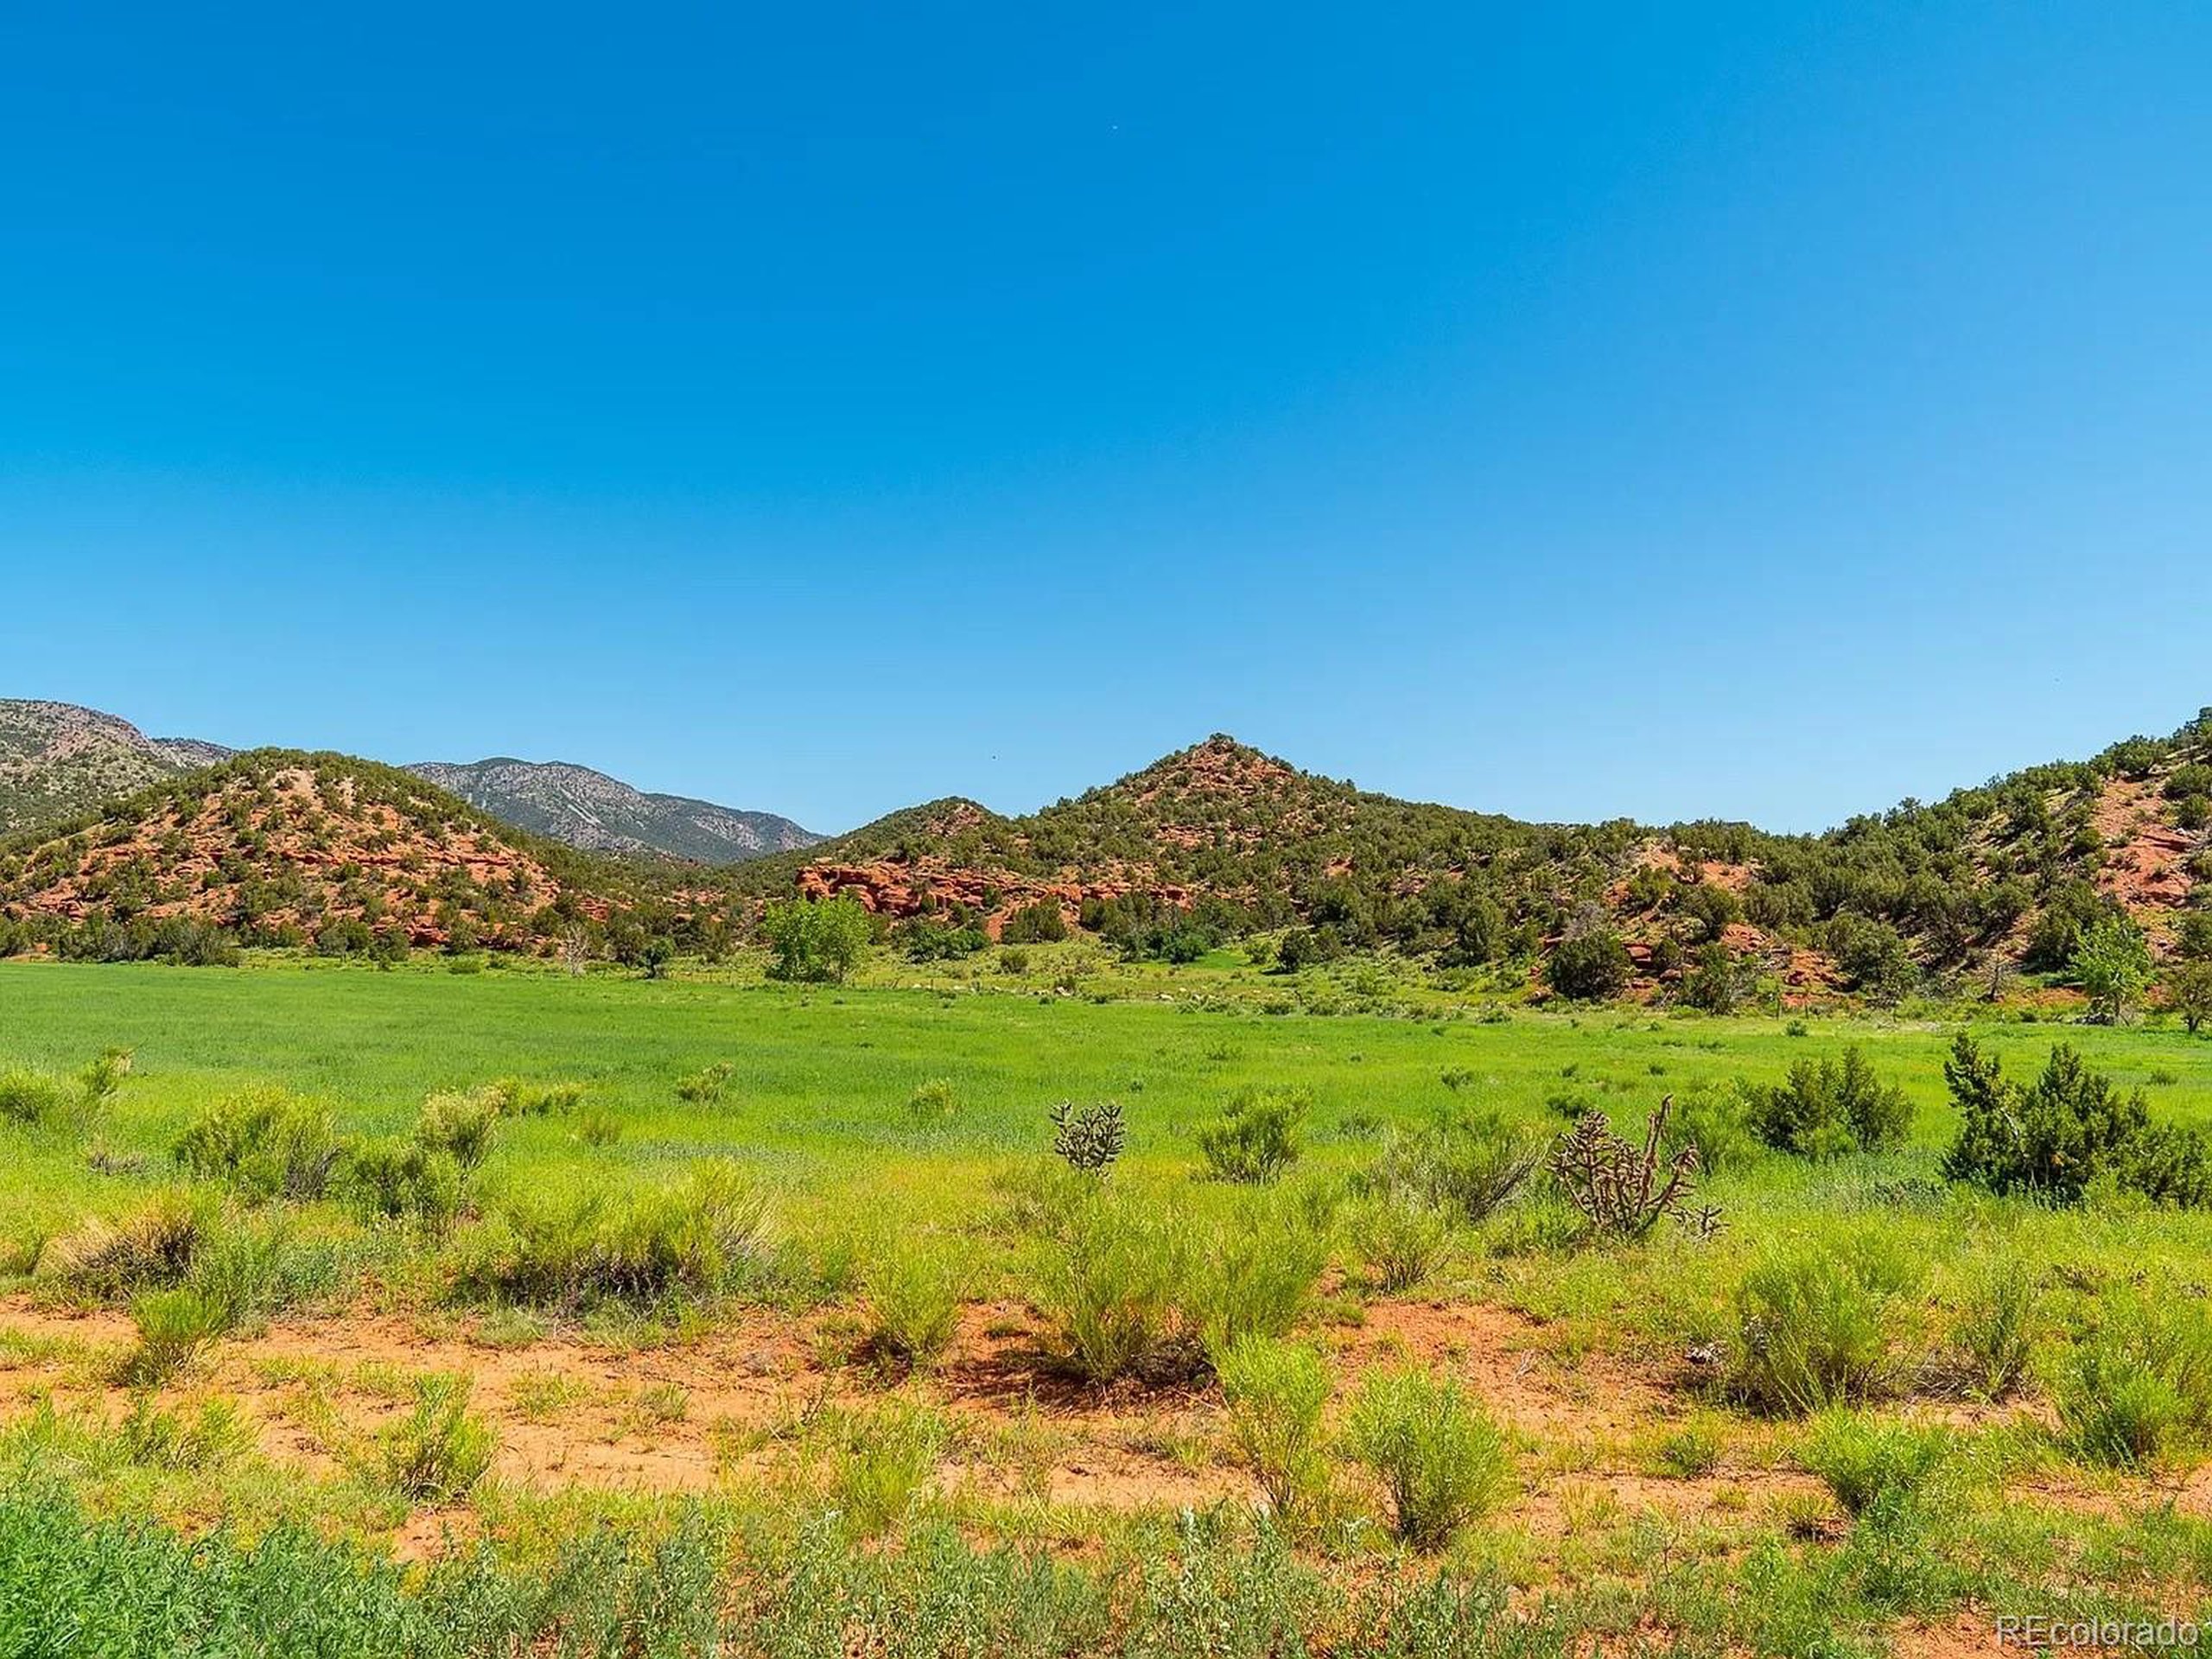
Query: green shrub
x=1712 y=1122
x=403 y=1179
x=597 y=1129
x=437 y=1452
x=1255 y=1137
x=33 y=1098
x=1442 y=1462
x=460 y=1125
x=254 y=1270
x=1868 y=1463
x=698 y=1237
x=1041 y=923
x=1828 y=1109
x=1589 y=967
x=889 y=1456
x=2140 y=1383
x=1814 y=1328
x=914 y=1292
x=704 y=1087
x=932 y=1103
x=1465 y=1164
x=1088 y=1138
x=1275 y=1392
x=816 y=940
x=266 y=1143
x=2069 y=1128
x=1401 y=1239
x=174 y=1327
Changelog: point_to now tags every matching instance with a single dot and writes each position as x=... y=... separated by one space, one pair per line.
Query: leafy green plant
x=212 y=1437
x=816 y=940
x=459 y=1124
x=1275 y=1392
x=1255 y=1137
x=1249 y=1275
x=1441 y=1461
x=1108 y=1286
x=437 y=1452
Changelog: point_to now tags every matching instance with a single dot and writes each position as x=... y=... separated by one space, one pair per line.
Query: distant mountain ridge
x=591 y=811
x=59 y=762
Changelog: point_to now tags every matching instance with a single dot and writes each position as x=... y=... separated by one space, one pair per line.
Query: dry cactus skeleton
x=1622 y=1190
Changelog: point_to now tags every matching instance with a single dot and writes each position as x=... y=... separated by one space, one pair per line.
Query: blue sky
x=1575 y=411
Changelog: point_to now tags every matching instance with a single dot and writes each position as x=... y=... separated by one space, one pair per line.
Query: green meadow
x=507 y=1372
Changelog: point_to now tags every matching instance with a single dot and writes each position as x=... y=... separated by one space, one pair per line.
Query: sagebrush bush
x=1255 y=1138
x=34 y=1098
x=1815 y=1328
x=1441 y=1461
x=266 y=1143
x=914 y=1291
x=1868 y=1463
x=154 y=1437
x=2141 y=1383
x=1401 y=1239
x=1465 y=1163
x=437 y=1452
x=152 y=1246
x=1826 y=1108
x=174 y=1327
x=697 y=1237
x=1275 y=1392
x=403 y=1179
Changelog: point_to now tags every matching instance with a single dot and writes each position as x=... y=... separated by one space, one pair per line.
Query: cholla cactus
x=1088 y=1137
x=1622 y=1190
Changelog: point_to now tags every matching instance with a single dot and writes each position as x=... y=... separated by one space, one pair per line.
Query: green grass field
x=744 y=1419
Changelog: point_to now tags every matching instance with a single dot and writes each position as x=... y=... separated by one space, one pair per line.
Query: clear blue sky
x=1760 y=410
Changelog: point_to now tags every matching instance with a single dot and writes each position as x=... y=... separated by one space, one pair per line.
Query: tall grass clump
x=1108 y=1285
x=151 y=1247
x=1249 y=1274
x=1869 y=1464
x=1999 y=1319
x=175 y=1328
x=1275 y=1392
x=914 y=1291
x=1441 y=1461
x=1465 y=1164
x=437 y=1452
x=34 y=1099
x=933 y=1103
x=2140 y=1385
x=265 y=1143
x=886 y=1460
x=1814 y=1327
x=1401 y=1239
x=698 y=1237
